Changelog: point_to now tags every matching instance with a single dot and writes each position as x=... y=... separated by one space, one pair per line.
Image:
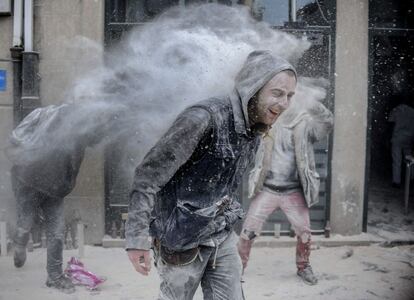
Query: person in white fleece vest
x=285 y=177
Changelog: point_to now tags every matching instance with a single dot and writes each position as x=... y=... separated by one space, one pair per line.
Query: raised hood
x=259 y=68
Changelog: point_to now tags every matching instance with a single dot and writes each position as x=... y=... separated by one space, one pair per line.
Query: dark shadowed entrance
x=391 y=68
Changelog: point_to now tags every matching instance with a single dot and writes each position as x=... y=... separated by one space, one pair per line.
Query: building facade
x=343 y=35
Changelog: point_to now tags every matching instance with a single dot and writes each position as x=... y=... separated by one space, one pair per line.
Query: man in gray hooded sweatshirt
x=184 y=200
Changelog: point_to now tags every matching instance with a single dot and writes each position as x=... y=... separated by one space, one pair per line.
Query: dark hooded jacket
x=179 y=188
x=48 y=146
x=39 y=161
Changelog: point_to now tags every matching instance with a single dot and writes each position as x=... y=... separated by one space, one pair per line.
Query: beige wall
x=6 y=37
x=6 y=115
x=351 y=92
x=66 y=35
x=88 y=196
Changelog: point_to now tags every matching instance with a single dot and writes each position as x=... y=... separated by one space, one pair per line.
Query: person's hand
x=244 y=246
x=141 y=260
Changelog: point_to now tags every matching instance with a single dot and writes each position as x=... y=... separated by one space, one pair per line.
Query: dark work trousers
x=29 y=201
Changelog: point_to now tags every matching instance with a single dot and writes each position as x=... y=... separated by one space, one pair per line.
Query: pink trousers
x=294 y=207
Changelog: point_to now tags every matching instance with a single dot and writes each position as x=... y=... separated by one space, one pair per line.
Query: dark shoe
x=63 y=284
x=307 y=276
x=19 y=256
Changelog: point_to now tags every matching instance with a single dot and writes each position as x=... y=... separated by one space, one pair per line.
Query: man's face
x=273 y=98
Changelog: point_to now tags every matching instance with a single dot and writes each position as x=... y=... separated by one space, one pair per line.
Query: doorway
x=315 y=21
x=391 y=83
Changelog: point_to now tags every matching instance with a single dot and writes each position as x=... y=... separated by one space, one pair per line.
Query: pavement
x=344 y=272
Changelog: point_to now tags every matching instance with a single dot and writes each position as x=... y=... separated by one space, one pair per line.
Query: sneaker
x=63 y=283
x=307 y=276
x=19 y=256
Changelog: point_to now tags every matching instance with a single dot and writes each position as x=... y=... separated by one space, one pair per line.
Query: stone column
x=351 y=104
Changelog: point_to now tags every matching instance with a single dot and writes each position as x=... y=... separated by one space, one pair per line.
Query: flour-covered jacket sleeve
x=312 y=128
x=305 y=162
x=262 y=162
x=158 y=167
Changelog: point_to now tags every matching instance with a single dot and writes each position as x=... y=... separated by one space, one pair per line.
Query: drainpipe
x=17 y=23
x=293 y=20
x=292 y=11
x=30 y=99
x=16 y=55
